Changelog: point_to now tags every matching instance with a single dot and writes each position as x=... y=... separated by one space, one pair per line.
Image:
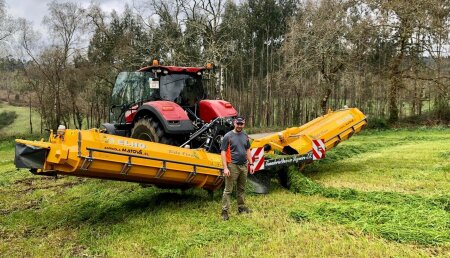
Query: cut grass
x=399 y=217
x=409 y=161
x=41 y=216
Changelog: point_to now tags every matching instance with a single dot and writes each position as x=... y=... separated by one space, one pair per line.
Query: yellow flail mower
x=95 y=154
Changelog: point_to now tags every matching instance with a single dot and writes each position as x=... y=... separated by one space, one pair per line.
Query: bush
x=378 y=123
x=7 y=118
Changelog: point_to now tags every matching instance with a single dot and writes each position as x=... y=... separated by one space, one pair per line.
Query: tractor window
x=183 y=89
x=132 y=87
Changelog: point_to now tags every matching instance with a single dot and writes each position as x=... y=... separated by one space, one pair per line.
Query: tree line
x=280 y=62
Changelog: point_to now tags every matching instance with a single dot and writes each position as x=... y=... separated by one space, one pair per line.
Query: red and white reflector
x=258 y=158
x=318 y=149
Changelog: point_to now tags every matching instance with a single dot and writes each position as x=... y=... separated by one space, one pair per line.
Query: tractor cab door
x=131 y=88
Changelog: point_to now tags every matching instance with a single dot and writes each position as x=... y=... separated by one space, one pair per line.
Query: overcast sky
x=35 y=11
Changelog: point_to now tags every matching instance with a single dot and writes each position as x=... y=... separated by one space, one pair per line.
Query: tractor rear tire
x=149 y=129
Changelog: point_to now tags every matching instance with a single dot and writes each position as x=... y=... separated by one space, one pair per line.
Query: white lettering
x=131 y=144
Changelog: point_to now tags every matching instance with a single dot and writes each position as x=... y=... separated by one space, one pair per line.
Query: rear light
x=167 y=108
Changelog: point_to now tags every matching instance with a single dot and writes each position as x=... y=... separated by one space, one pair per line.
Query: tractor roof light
x=209 y=66
x=155 y=62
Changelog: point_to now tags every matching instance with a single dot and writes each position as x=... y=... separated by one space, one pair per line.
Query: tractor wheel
x=149 y=129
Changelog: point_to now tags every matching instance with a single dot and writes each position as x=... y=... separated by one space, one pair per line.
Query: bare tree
x=8 y=27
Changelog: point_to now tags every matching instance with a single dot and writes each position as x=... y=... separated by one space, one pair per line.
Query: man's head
x=239 y=123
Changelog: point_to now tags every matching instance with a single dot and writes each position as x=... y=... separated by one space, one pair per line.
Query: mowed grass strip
x=408 y=161
x=41 y=216
x=393 y=216
x=399 y=212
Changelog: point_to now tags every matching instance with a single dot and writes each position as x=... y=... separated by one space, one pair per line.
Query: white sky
x=35 y=10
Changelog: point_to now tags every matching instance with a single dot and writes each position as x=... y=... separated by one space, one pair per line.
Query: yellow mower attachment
x=333 y=128
x=90 y=153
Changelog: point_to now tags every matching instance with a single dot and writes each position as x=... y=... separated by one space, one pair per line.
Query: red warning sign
x=318 y=149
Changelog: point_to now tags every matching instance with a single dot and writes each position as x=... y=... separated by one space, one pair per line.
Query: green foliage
x=441 y=111
x=7 y=118
x=377 y=123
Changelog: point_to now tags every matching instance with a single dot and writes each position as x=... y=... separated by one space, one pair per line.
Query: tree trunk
x=323 y=104
x=31 y=123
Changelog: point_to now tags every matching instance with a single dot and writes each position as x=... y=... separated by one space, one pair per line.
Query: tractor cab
x=180 y=85
x=168 y=104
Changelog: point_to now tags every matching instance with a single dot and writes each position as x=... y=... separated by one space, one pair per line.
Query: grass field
x=380 y=194
x=21 y=124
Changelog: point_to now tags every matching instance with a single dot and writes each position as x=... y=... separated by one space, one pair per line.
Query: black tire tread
x=154 y=129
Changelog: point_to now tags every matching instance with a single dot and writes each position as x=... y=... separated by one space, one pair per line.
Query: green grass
x=405 y=218
x=380 y=194
x=21 y=124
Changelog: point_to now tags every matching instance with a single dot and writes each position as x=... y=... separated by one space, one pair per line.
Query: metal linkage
x=192 y=175
x=79 y=143
x=162 y=170
x=219 y=177
x=126 y=167
x=87 y=162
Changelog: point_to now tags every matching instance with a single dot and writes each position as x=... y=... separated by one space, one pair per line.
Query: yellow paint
x=90 y=153
x=333 y=127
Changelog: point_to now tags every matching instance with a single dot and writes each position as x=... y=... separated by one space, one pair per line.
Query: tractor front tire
x=149 y=129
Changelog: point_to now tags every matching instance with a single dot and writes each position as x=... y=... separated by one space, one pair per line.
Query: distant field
x=21 y=124
x=380 y=194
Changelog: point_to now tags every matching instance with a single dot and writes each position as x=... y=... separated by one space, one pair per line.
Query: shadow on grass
x=100 y=211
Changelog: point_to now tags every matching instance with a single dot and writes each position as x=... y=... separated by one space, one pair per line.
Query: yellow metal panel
x=332 y=127
x=90 y=153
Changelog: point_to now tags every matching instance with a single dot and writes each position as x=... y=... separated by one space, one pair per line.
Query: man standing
x=235 y=152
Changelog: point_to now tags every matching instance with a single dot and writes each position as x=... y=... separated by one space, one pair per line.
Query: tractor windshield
x=132 y=87
x=183 y=89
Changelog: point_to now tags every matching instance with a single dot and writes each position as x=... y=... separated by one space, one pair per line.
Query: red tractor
x=168 y=104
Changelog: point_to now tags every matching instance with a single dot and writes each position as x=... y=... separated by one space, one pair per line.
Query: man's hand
x=226 y=171
x=252 y=169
